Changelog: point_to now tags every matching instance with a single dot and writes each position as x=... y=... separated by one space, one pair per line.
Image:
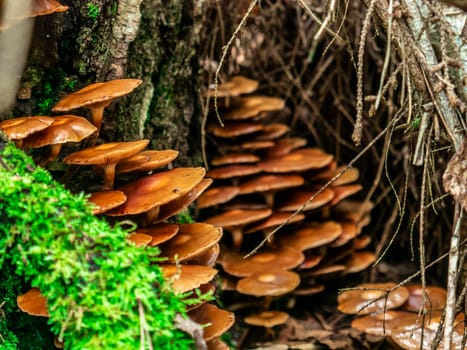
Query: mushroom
x=359 y=261
x=236 y=86
x=293 y=200
x=384 y=322
x=147 y=194
x=46 y=7
x=251 y=106
x=216 y=321
x=229 y=130
x=285 y=146
x=208 y=257
x=106 y=156
x=146 y=161
x=435 y=298
x=33 y=303
x=267 y=319
x=184 y=278
x=191 y=240
x=272 y=131
x=218 y=195
x=299 y=160
x=65 y=128
x=181 y=203
x=234 y=221
x=283 y=258
x=312 y=235
x=96 y=97
x=269 y=184
x=139 y=239
x=18 y=129
x=232 y=171
x=234 y=158
x=372 y=297
x=160 y=232
x=106 y=200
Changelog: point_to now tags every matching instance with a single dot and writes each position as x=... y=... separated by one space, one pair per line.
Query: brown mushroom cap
x=371 y=297
x=349 y=232
x=251 y=106
x=359 y=261
x=383 y=323
x=272 y=131
x=233 y=158
x=352 y=210
x=312 y=235
x=293 y=200
x=283 y=258
x=160 y=232
x=97 y=94
x=146 y=161
x=421 y=335
x=154 y=190
x=217 y=195
x=176 y=206
x=106 y=200
x=344 y=191
x=96 y=97
x=20 y=128
x=270 y=182
x=33 y=303
x=270 y=283
x=139 y=239
x=267 y=319
x=191 y=240
x=311 y=260
x=184 y=278
x=46 y=7
x=308 y=290
x=238 y=217
x=236 y=86
x=273 y=221
x=435 y=298
x=230 y=171
x=65 y=128
x=298 y=160
x=256 y=145
x=106 y=153
x=229 y=130
x=349 y=176
x=285 y=146
x=208 y=257
x=218 y=321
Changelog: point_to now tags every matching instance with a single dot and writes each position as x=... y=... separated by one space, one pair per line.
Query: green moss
x=99 y=287
x=93 y=11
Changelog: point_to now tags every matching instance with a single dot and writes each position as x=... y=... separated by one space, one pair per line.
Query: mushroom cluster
x=410 y=316
x=151 y=197
x=265 y=178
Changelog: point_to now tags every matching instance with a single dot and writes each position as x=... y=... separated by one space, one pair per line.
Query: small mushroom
x=215 y=320
x=274 y=282
x=234 y=221
x=236 y=86
x=312 y=235
x=96 y=97
x=160 y=232
x=106 y=200
x=184 y=278
x=435 y=298
x=384 y=322
x=229 y=130
x=298 y=160
x=217 y=195
x=18 y=129
x=251 y=106
x=46 y=7
x=33 y=303
x=146 y=161
x=372 y=297
x=106 y=156
x=267 y=319
x=65 y=128
x=234 y=158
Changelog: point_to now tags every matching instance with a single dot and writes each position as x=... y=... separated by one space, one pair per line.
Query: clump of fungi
x=408 y=316
x=265 y=178
x=151 y=199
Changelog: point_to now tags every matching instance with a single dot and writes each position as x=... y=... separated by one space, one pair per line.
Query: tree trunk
x=99 y=40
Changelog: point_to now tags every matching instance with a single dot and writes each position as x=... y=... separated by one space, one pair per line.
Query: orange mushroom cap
x=371 y=297
x=383 y=323
x=295 y=199
x=312 y=235
x=286 y=145
x=231 y=171
x=251 y=106
x=191 y=240
x=146 y=161
x=184 y=278
x=46 y=7
x=160 y=232
x=298 y=160
x=235 y=158
x=236 y=86
x=267 y=319
x=20 y=128
x=217 y=195
x=106 y=200
x=273 y=282
x=229 y=130
x=435 y=298
x=33 y=303
x=218 y=321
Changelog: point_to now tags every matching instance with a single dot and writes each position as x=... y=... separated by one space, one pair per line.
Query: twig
x=453 y=275
x=225 y=50
x=326 y=185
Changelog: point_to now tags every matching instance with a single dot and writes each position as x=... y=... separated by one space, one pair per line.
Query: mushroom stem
x=267 y=302
x=97 y=113
x=109 y=176
x=151 y=215
x=54 y=151
x=237 y=236
x=269 y=198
